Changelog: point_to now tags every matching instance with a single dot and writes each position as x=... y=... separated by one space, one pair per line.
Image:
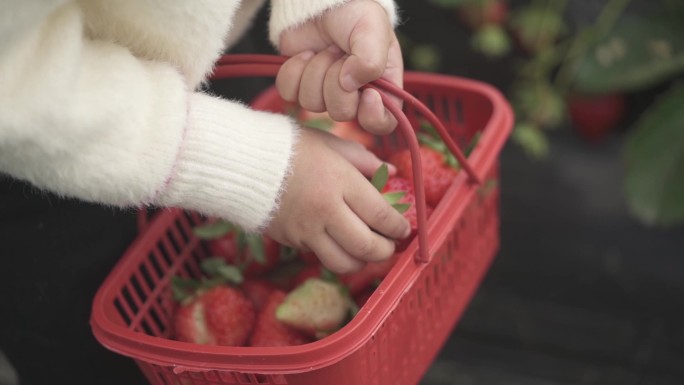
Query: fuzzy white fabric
x=98 y=101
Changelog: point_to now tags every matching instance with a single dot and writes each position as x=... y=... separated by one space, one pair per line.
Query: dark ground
x=579 y=294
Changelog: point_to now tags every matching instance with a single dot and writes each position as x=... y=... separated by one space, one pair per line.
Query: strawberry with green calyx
x=316 y=307
x=398 y=192
x=254 y=253
x=269 y=331
x=211 y=312
x=258 y=291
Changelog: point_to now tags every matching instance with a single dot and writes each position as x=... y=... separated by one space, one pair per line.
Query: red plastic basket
x=398 y=332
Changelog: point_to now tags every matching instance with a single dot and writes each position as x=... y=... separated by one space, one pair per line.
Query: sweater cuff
x=287 y=14
x=232 y=162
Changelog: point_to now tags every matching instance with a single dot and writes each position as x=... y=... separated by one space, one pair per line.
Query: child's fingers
x=332 y=255
x=369 y=44
x=290 y=75
x=357 y=239
x=341 y=104
x=355 y=153
x=373 y=116
x=311 y=86
x=372 y=208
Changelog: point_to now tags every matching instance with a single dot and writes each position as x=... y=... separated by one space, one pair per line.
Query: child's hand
x=334 y=55
x=330 y=208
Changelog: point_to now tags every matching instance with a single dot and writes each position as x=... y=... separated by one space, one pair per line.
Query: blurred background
x=587 y=287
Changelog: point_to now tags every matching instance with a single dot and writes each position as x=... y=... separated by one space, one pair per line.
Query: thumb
x=369 y=44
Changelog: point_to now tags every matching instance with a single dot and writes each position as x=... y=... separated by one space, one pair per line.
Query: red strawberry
x=256 y=254
x=366 y=278
x=594 y=116
x=479 y=13
x=311 y=271
x=437 y=175
x=219 y=316
x=316 y=307
x=345 y=130
x=258 y=291
x=309 y=257
x=399 y=184
x=268 y=331
x=271 y=258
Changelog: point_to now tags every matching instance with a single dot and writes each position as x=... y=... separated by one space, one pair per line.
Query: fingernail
x=407 y=232
x=392 y=169
x=349 y=83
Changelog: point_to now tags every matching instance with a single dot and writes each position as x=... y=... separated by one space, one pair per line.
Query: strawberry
x=316 y=307
x=310 y=271
x=594 y=116
x=345 y=130
x=397 y=184
x=437 y=174
x=268 y=331
x=367 y=278
x=258 y=291
x=476 y=14
x=256 y=254
x=221 y=315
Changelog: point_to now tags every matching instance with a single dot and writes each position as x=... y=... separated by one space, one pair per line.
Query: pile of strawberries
x=256 y=292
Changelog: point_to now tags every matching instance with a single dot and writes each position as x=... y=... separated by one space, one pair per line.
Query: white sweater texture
x=99 y=101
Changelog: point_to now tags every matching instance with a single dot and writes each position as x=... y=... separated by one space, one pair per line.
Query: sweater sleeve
x=90 y=120
x=286 y=14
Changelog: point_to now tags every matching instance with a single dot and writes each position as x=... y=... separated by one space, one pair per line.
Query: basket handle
x=231 y=66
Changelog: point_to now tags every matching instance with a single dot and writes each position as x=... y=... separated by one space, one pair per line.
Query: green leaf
x=210 y=266
x=394 y=197
x=255 y=243
x=425 y=57
x=401 y=207
x=473 y=143
x=183 y=288
x=319 y=123
x=380 y=177
x=213 y=230
x=230 y=273
x=640 y=52
x=491 y=40
x=531 y=139
x=655 y=161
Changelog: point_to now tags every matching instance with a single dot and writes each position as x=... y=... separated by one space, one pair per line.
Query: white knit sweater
x=98 y=101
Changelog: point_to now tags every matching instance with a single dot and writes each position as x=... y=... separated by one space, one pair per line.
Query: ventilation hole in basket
x=427 y=286
x=128 y=300
x=138 y=290
x=165 y=253
x=149 y=279
x=122 y=312
x=460 y=117
x=227 y=377
x=435 y=271
x=146 y=328
x=242 y=378
x=419 y=298
x=158 y=322
x=157 y=262
x=261 y=379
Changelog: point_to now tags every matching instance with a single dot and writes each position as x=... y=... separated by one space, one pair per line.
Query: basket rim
x=184 y=356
